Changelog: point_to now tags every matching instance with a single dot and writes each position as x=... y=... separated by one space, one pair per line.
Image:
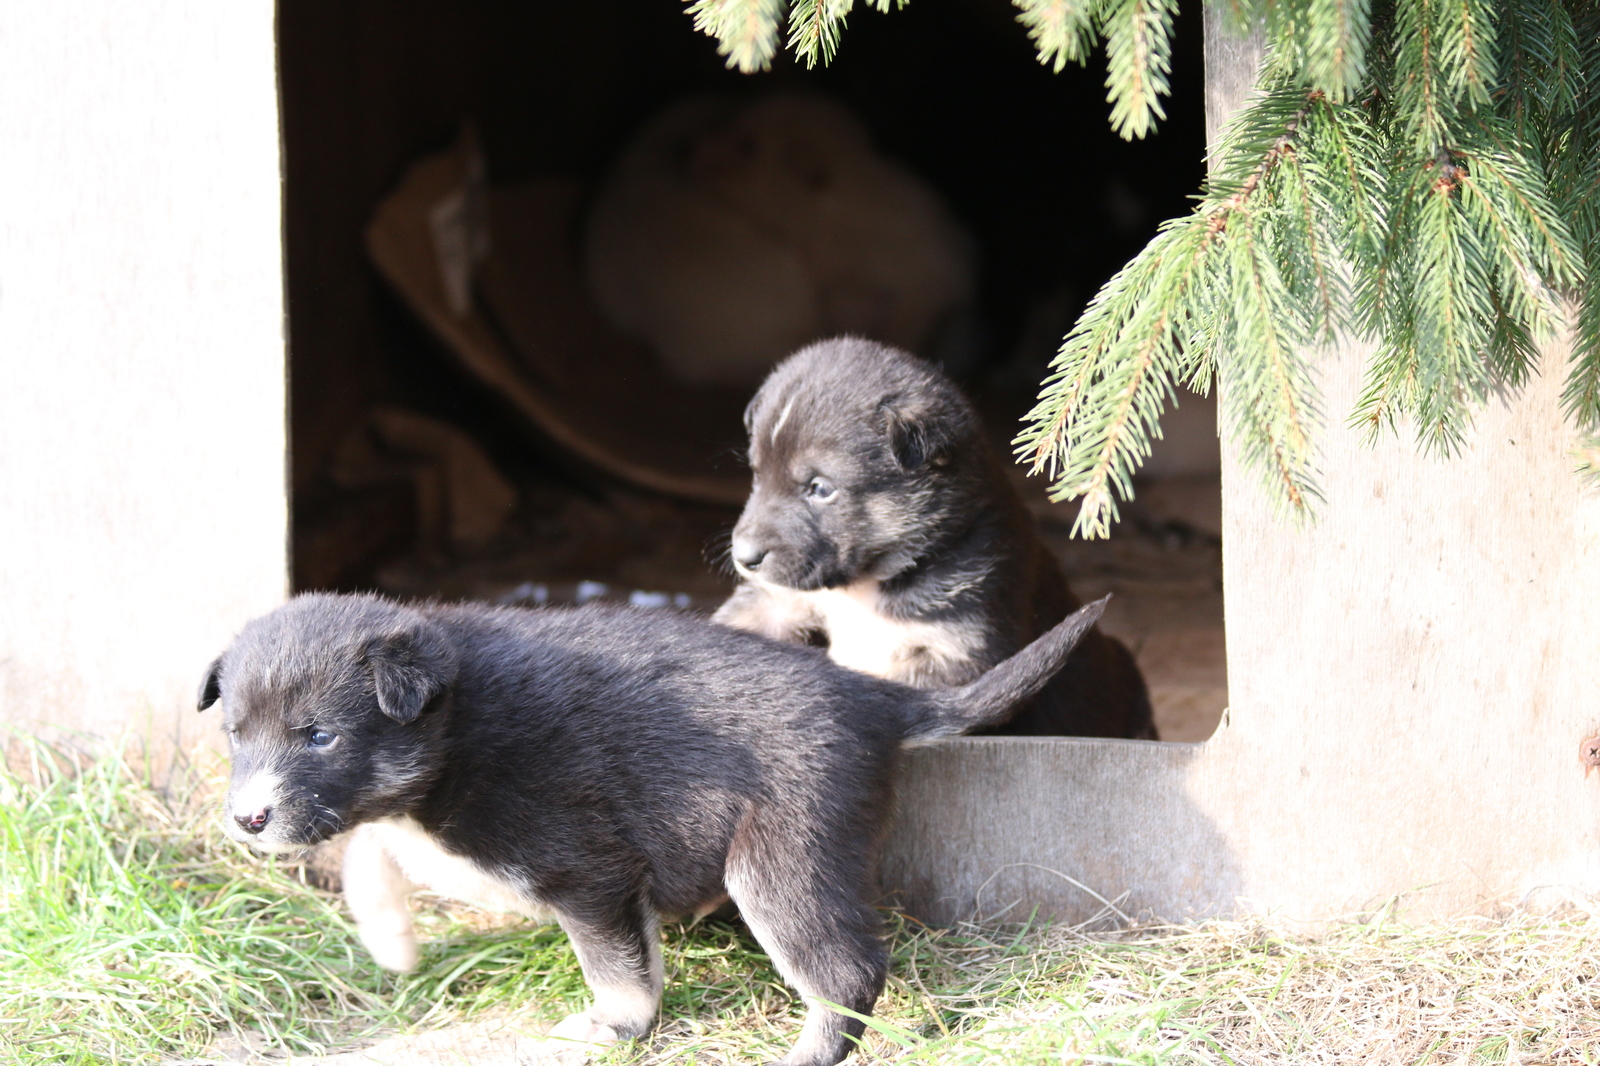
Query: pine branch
x=1513 y=352
x=1451 y=277
x=1115 y=372
x=1139 y=57
x=814 y=29
x=1061 y=396
x=1580 y=399
x=1586 y=28
x=1476 y=244
x=1587 y=456
x=1539 y=62
x=1112 y=375
x=1421 y=100
x=1138 y=395
x=1577 y=183
x=1528 y=240
x=1303 y=248
x=1253 y=145
x=746 y=30
x=1333 y=55
x=1466 y=35
x=1268 y=390
x=1558 y=87
x=1350 y=178
x=1062 y=31
x=1389 y=386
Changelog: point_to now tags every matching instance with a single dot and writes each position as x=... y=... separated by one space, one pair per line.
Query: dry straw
x=1520 y=989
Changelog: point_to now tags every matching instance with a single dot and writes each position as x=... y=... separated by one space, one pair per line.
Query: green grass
x=132 y=931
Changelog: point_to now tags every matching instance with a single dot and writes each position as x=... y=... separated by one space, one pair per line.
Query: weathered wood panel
x=142 y=443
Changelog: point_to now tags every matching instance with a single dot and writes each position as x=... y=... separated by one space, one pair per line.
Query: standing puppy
x=605 y=766
x=881 y=525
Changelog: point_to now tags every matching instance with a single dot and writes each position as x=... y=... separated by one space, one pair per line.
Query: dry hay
x=1521 y=989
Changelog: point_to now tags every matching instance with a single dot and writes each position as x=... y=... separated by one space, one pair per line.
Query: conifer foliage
x=1424 y=174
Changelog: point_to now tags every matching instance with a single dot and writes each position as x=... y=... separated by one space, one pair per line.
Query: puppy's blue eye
x=320 y=738
x=820 y=489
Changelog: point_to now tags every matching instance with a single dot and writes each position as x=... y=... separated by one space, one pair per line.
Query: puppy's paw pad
x=582 y=1029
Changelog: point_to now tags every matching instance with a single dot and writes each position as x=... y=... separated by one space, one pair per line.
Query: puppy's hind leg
x=375 y=889
x=618 y=944
x=821 y=935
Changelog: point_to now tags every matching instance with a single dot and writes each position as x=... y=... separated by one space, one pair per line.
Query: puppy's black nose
x=254 y=823
x=748 y=555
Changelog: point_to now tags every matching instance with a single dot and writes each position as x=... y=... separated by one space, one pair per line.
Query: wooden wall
x=143 y=514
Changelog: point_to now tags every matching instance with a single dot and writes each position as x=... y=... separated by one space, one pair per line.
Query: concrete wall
x=142 y=445
x=1409 y=681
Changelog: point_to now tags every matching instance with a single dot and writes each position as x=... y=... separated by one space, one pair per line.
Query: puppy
x=604 y=766
x=881 y=525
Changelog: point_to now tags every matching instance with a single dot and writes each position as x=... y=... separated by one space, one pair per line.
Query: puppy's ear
x=211 y=684
x=411 y=669
x=750 y=414
x=918 y=437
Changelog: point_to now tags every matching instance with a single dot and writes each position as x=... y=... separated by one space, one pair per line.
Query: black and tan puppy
x=882 y=525
x=604 y=766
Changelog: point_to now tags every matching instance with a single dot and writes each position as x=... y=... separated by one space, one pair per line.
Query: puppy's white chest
x=428 y=865
x=858 y=637
x=862 y=638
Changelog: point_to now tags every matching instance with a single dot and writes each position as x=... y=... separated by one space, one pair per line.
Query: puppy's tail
x=991 y=699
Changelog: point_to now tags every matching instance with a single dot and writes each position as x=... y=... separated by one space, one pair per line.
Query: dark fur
x=923 y=507
x=610 y=764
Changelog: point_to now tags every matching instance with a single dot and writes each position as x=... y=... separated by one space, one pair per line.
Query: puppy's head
x=332 y=706
x=864 y=458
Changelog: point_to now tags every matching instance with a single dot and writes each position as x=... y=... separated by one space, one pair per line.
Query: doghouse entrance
x=467 y=420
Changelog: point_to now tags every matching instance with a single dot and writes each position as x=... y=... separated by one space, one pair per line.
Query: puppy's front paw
x=575 y=1040
x=393 y=949
x=583 y=1029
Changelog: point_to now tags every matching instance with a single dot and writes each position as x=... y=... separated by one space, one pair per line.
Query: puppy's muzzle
x=255 y=821
x=747 y=555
